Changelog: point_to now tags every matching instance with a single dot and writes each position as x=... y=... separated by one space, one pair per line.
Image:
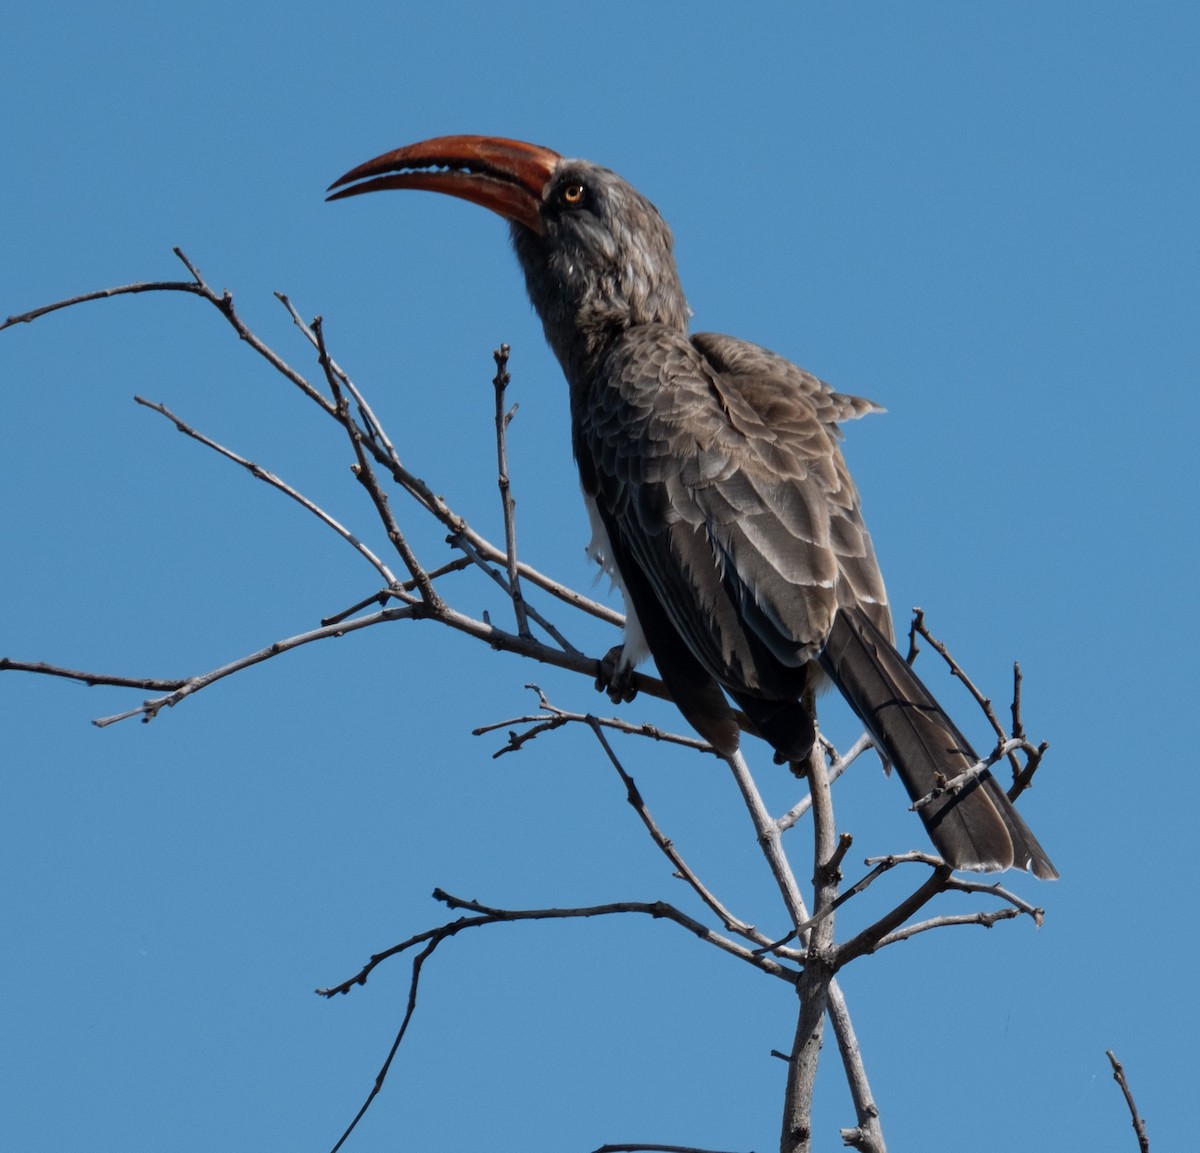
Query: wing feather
x=718 y=465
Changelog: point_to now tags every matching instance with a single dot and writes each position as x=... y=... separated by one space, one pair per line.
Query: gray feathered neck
x=601 y=265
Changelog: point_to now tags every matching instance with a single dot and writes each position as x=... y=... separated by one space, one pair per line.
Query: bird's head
x=596 y=253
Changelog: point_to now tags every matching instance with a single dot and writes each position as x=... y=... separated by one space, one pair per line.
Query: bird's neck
x=586 y=307
x=581 y=347
x=582 y=332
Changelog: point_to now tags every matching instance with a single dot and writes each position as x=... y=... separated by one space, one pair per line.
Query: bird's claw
x=614 y=679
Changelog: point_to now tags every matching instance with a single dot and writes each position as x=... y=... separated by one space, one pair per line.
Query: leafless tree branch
x=812 y=964
x=639 y=1148
x=838 y=764
x=682 y=869
x=1139 y=1126
x=275 y=482
x=90 y=679
x=957 y=784
x=508 y=505
x=1022 y=774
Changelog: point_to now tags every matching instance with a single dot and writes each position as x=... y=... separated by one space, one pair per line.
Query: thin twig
x=867 y=1136
x=472 y=555
x=148 y=710
x=150 y=684
x=957 y=670
x=984 y=917
x=957 y=783
x=275 y=482
x=838 y=765
x=1022 y=775
x=872 y=937
x=508 y=505
x=1018 y=726
x=561 y=717
x=383 y=596
x=418 y=962
x=194 y=287
x=366 y=477
x=487 y=915
x=639 y=1148
x=1139 y=1126
x=682 y=869
x=1023 y=778
x=769 y=838
x=994 y=889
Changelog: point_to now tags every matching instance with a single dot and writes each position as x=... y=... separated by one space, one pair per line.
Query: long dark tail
x=976 y=828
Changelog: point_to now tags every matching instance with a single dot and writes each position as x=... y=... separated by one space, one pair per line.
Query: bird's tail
x=975 y=828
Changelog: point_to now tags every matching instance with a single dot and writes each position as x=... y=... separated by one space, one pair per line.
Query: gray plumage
x=720 y=499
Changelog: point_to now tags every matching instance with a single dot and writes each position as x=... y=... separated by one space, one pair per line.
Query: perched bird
x=717 y=492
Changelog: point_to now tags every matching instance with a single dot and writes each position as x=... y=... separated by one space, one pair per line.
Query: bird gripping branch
x=717 y=492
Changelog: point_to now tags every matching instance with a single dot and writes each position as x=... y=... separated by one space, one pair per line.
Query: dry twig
x=810 y=968
x=1139 y=1126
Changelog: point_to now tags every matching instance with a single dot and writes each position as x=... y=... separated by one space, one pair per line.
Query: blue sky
x=982 y=216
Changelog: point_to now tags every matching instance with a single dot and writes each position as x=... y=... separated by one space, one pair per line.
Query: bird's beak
x=507 y=176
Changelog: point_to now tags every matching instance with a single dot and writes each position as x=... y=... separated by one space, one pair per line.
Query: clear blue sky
x=984 y=216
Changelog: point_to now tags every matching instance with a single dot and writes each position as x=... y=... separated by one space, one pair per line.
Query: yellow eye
x=573 y=193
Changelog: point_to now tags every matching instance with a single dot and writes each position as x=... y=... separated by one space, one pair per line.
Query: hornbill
x=717 y=493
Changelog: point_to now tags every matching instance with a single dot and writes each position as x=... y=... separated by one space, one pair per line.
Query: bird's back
x=717 y=464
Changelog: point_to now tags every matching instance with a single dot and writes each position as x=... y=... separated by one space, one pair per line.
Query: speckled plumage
x=718 y=494
x=730 y=517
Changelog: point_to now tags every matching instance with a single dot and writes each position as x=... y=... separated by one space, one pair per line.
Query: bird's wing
x=743 y=364
x=716 y=468
x=800 y=415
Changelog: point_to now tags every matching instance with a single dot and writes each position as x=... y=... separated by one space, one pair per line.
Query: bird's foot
x=615 y=679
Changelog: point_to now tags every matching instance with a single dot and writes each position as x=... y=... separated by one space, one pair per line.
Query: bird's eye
x=573 y=193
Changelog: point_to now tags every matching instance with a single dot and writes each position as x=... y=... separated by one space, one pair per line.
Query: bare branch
x=366 y=476
x=769 y=838
x=275 y=482
x=560 y=717
x=659 y=910
x=195 y=287
x=873 y=936
x=653 y=1149
x=508 y=505
x=981 y=917
x=667 y=847
x=473 y=556
x=179 y=689
x=1018 y=726
x=488 y=914
x=867 y=1136
x=148 y=710
x=813 y=988
x=1024 y=778
x=913 y=857
x=956 y=670
x=838 y=765
x=1139 y=1126
x=964 y=885
x=89 y=679
x=956 y=784
x=418 y=962
x=886 y=931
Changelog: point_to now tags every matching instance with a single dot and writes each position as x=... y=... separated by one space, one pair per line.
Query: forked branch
x=808 y=956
